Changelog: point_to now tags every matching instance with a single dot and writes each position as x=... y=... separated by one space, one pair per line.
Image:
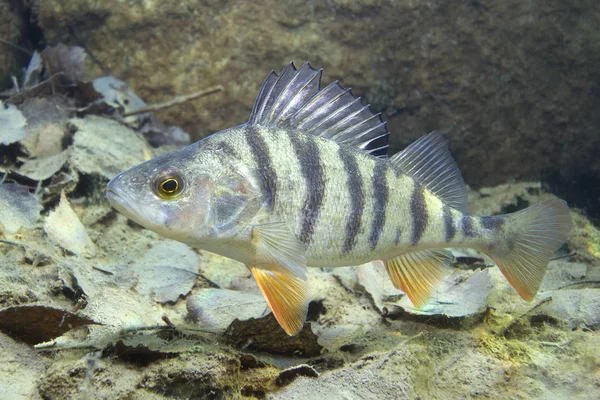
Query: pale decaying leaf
x=33 y=71
x=104 y=147
x=18 y=208
x=43 y=168
x=119 y=96
x=64 y=227
x=166 y=272
x=12 y=124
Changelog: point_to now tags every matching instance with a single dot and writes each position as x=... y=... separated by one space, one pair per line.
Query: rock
x=289 y=375
x=348 y=383
x=576 y=308
x=18 y=364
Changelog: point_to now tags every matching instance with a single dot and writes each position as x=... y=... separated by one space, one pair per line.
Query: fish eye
x=168 y=185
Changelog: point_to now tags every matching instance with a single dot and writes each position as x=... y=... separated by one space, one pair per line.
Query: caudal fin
x=530 y=238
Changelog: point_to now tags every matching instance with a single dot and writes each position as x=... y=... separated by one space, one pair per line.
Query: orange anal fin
x=287 y=296
x=417 y=274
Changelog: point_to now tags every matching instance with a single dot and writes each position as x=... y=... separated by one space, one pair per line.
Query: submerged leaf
x=63 y=226
x=43 y=168
x=66 y=59
x=33 y=71
x=18 y=208
x=166 y=272
x=12 y=124
x=118 y=95
x=36 y=324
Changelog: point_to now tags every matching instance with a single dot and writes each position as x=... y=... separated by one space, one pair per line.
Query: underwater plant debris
x=34 y=324
x=12 y=124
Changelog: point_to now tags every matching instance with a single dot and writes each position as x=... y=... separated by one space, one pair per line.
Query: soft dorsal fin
x=428 y=161
x=294 y=100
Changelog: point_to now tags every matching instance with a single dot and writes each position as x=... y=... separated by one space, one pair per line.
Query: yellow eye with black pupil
x=169 y=186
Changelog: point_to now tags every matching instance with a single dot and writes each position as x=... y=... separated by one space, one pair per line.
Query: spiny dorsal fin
x=428 y=161
x=293 y=100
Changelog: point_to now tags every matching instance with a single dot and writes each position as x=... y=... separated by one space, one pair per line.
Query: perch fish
x=306 y=182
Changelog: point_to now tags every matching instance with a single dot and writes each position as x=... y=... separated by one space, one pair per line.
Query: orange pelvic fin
x=286 y=294
x=417 y=274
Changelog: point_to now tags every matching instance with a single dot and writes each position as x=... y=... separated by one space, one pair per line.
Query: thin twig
x=175 y=101
x=559 y=344
x=12 y=243
x=577 y=283
x=573 y=254
x=104 y=271
x=170 y=324
x=16 y=46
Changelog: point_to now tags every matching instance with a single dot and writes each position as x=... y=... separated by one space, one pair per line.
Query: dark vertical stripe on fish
x=397 y=237
x=492 y=223
x=449 y=228
x=418 y=210
x=356 y=195
x=381 y=194
x=264 y=164
x=310 y=165
x=467 y=225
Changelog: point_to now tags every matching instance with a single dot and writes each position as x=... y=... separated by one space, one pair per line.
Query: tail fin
x=531 y=237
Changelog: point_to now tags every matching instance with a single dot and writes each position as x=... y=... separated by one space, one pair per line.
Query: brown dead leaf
x=34 y=324
x=66 y=59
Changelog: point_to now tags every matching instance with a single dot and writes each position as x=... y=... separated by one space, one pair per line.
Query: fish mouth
x=118 y=201
x=132 y=209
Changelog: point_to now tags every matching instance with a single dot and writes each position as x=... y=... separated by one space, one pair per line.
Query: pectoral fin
x=278 y=248
x=286 y=294
x=417 y=274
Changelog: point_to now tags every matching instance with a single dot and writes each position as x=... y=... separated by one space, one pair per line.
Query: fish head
x=193 y=195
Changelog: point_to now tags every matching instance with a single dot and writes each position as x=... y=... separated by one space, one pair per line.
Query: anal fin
x=286 y=295
x=417 y=274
